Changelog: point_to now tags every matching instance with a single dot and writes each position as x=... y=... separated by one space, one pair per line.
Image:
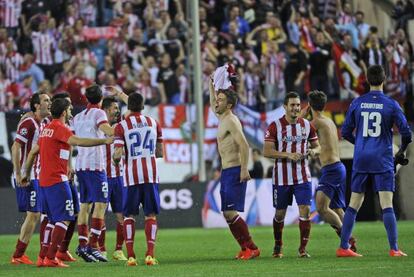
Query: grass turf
x=210 y=252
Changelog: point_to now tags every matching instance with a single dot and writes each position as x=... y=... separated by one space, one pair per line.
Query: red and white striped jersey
x=10 y=12
x=27 y=133
x=43 y=48
x=86 y=125
x=291 y=138
x=36 y=166
x=12 y=62
x=138 y=134
x=112 y=170
x=274 y=70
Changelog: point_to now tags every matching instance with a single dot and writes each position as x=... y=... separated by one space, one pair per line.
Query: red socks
x=150 y=234
x=119 y=236
x=96 y=226
x=20 y=249
x=58 y=235
x=240 y=231
x=47 y=237
x=129 y=234
x=278 y=231
x=305 y=227
x=83 y=234
x=101 y=239
x=42 y=228
x=68 y=237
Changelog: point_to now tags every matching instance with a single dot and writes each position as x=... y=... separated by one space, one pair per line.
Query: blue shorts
x=333 y=184
x=283 y=195
x=232 y=191
x=116 y=188
x=29 y=198
x=93 y=186
x=384 y=181
x=145 y=194
x=75 y=197
x=58 y=202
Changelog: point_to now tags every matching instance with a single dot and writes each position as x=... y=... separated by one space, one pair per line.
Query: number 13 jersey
x=139 y=134
x=372 y=116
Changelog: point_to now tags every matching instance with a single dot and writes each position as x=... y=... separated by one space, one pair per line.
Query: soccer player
x=90 y=170
x=139 y=138
x=115 y=183
x=54 y=146
x=28 y=199
x=234 y=153
x=330 y=193
x=63 y=253
x=368 y=125
x=287 y=141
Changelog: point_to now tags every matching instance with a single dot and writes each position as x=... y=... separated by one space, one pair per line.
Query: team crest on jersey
x=303 y=131
x=23 y=131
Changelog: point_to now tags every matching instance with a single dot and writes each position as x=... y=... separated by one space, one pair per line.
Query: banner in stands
x=258 y=208
x=178 y=129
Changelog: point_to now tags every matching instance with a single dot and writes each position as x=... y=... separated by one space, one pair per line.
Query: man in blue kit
x=368 y=125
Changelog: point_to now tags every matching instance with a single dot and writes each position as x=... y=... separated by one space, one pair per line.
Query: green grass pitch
x=210 y=252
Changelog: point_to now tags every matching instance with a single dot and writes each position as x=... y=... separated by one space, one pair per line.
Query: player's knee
x=33 y=217
x=280 y=215
x=304 y=211
x=229 y=215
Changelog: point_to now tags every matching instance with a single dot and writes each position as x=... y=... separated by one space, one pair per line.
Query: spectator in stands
x=274 y=63
x=44 y=47
x=167 y=82
x=234 y=15
x=30 y=68
x=77 y=86
x=318 y=62
x=295 y=69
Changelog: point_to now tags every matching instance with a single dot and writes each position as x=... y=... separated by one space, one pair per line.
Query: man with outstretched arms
x=139 y=139
x=287 y=141
x=53 y=147
x=234 y=152
x=90 y=170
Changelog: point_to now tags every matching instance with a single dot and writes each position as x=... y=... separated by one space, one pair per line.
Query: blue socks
x=390 y=224
x=347 y=226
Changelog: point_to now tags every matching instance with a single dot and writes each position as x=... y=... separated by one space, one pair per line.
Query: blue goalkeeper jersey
x=368 y=125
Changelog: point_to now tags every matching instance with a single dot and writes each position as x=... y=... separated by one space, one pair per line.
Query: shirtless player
x=330 y=193
x=234 y=153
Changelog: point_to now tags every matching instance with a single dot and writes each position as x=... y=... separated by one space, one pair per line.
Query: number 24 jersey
x=139 y=134
x=372 y=116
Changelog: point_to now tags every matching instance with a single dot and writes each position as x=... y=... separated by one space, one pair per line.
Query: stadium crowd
x=276 y=46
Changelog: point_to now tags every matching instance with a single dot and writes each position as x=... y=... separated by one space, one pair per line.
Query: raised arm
x=212 y=94
x=236 y=131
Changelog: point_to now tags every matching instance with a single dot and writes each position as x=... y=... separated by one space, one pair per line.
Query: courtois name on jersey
x=372 y=116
